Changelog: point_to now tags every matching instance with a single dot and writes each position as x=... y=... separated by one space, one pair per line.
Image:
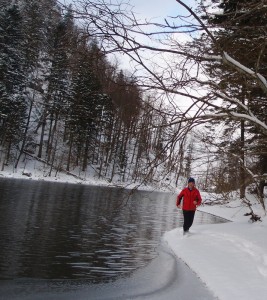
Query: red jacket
x=189 y=196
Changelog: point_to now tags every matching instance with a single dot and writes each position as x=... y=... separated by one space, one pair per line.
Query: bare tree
x=165 y=62
x=168 y=59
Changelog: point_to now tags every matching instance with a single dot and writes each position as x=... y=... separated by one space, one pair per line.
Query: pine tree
x=241 y=33
x=34 y=32
x=85 y=106
x=12 y=83
x=59 y=79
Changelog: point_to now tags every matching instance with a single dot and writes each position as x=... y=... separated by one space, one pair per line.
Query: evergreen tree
x=12 y=83
x=34 y=32
x=86 y=104
x=58 y=91
x=241 y=32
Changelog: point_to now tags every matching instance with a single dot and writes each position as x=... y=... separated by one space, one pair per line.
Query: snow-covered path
x=230 y=258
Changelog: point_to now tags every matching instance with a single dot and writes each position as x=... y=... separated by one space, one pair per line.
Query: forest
x=65 y=103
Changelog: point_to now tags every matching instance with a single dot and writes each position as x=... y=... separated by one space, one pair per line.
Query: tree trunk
x=25 y=134
x=42 y=138
x=242 y=167
x=52 y=135
x=242 y=146
x=85 y=155
x=49 y=143
x=53 y=159
x=69 y=155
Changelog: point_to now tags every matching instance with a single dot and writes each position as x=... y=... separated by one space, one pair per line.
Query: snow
x=228 y=59
x=230 y=258
x=35 y=174
x=238 y=116
x=37 y=171
x=237 y=64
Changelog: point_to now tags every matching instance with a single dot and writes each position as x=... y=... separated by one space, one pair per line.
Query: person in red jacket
x=191 y=199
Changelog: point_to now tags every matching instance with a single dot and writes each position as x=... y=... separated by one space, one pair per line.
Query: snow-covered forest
x=65 y=104
x=192 y=106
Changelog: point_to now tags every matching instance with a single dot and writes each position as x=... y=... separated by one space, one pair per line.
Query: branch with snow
x=237 y=116
x=227 y=59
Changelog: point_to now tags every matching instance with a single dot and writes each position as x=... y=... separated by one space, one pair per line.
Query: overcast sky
x=157 y=11
x=158 y=8
x=151 y=10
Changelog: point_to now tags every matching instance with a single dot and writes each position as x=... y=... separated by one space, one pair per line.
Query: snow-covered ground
x=42 y=175
x=36 y=171
x=230 y=258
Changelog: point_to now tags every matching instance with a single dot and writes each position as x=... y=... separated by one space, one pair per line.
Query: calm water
x=64 y=231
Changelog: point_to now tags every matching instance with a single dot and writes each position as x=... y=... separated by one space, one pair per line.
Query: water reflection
x=63 y=231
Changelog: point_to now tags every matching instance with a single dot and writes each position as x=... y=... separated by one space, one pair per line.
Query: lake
x=56 y=231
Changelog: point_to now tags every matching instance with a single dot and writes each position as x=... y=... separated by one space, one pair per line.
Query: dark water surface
x=67 y=231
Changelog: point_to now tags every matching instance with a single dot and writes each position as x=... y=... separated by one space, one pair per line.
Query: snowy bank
x=230 y=258
x=41 y=174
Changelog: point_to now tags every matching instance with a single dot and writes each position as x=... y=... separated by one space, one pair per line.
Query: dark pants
x=188 y=219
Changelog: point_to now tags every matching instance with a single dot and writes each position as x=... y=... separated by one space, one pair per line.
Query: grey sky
x=155 y=11
x=151 y=10
x=158 y=8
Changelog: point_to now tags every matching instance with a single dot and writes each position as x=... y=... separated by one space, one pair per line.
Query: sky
x=158 y=8
x=150 y=10
x=154 y=11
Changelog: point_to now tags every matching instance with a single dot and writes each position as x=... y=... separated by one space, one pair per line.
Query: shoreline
x=89 y=181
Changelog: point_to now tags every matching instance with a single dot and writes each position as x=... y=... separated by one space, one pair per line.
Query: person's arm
x=179 y=198
x=199 y=199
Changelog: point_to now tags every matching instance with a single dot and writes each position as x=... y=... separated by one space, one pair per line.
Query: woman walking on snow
x=191 y=199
